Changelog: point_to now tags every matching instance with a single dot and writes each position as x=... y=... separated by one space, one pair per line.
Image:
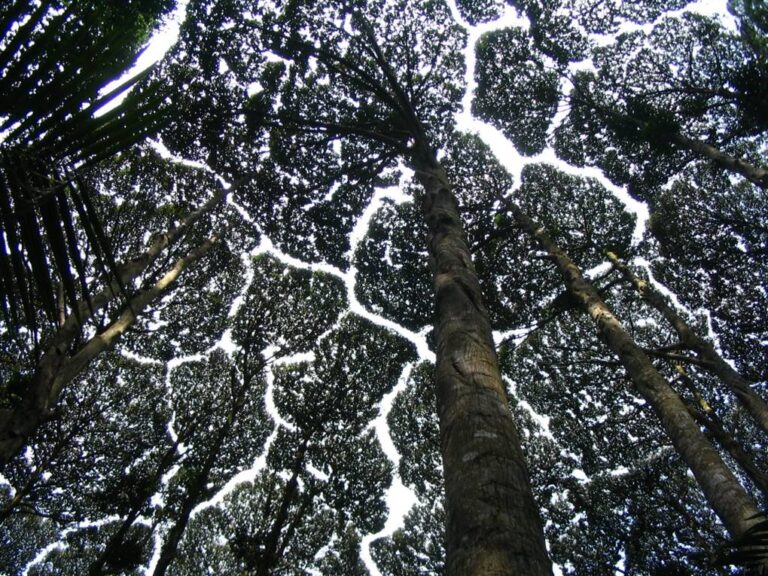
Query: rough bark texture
x=493 y=524
x=727 y=497
x=711 y=360
x=57 y=367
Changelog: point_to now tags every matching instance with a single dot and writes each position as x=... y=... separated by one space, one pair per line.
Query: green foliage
x=293 y=101
x=515 y=90
x=386 y=258
x=287 y=307
x=417 y=547
x=711 y=250
x=520 y=285
x=612 y=490
x=479 y=11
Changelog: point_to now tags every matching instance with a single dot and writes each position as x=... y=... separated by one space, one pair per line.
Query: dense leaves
x=237 y=426
x=516 y=93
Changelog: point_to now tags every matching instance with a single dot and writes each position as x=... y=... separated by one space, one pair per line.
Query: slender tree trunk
x=711 y=360
x=727 y=497
x=493 y=523
x=754 y=174
x=114 y=543
x=199 y=485
x=270 y=556
x=717 y=431
x=56 y=369
x=116 y=540
x=170 y=546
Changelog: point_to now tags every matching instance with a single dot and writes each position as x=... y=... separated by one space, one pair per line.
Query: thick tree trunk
x=711 y=360
x=56 y=369
x=727 y=497
x=493 y=524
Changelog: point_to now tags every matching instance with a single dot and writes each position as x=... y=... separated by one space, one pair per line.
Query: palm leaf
x=22 y=282
x=58 y=245
x=32 y=240
x=22 y=35
x=106 y=246
x=751 y=550
x=86 y=223
x=90 y=217
x=74 y=251
x=7 y=292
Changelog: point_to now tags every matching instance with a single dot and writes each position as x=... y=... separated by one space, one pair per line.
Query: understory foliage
x=253 y=414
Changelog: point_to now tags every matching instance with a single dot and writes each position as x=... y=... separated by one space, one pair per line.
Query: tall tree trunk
x=493 y=524
x=717 y=431
x=711 y=360
x=56 y=368
x=170 y=546
x=197 y=489
x=272 y=546
x=731 y=503
x=199 y=484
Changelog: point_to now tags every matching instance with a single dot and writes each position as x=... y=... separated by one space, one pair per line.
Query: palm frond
x=751 y=550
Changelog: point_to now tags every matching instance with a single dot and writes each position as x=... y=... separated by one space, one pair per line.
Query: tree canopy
x=352 y=287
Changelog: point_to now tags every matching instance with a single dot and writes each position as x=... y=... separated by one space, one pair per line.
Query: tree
x=313 y=500
x=40 y=378
x=59 y=56
x=56 y=58
x=317 y=109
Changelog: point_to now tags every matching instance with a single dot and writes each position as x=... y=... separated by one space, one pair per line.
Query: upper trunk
x=755 y=174
x=493 y=524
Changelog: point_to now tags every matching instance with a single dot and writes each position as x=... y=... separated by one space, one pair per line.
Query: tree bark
x=270 y=556
x=56 y=369
x=493 y=526
x=711 y=360
x=718 y=432
x=754 y=174
x=735 y=508
x=493 y=523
